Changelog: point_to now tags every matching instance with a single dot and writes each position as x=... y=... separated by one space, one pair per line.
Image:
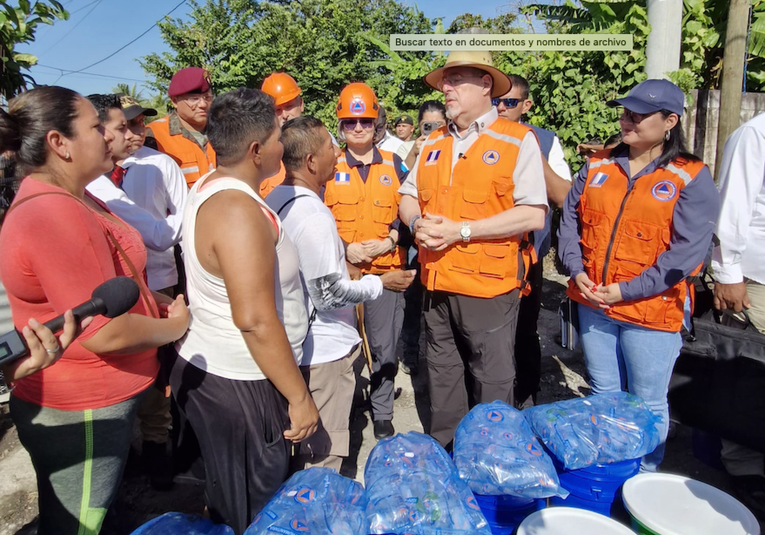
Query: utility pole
x=733 y=74
x=664 y=42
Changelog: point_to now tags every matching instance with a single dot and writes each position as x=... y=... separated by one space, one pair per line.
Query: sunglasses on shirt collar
x=507 y=102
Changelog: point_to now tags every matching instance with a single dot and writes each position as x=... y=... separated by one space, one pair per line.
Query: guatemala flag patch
x=342 y=178
x=598 y=180
x=432 y=157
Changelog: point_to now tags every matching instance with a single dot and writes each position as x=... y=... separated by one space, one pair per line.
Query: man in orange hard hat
x=181 y=135
x=289 y=105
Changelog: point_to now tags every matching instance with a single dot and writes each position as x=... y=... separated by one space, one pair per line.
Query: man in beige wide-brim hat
x=476 y=188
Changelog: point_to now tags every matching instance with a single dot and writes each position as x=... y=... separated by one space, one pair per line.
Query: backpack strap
x=293 y=199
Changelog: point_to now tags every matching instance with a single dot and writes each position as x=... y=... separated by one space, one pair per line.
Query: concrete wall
x=702 y=116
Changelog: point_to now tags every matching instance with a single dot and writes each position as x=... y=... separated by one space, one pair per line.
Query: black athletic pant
x=240 y=426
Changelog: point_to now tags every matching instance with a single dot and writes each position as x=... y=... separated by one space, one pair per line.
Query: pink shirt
x=54 y=254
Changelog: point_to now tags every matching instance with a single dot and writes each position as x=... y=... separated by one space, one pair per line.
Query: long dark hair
x=431 y=105
x=672 y=149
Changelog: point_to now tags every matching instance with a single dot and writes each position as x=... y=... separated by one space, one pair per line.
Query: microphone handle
x=93 y=307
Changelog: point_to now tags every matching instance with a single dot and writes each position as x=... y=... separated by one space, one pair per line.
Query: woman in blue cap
x=636 y=224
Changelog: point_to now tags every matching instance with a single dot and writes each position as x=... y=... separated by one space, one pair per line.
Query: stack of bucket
x=596 y=488
x=505 y=513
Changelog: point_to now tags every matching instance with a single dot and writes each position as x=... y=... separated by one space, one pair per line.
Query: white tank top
x=213 y=343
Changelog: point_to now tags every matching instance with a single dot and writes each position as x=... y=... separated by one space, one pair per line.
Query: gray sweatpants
x=79 y=457
x=383 y=320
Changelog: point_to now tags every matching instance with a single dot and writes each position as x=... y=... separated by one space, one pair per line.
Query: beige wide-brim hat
x=471 y=58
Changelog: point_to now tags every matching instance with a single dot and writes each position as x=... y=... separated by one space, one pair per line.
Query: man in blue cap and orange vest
x=476 y=189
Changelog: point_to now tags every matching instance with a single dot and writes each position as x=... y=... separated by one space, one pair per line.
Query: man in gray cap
x=469 y=217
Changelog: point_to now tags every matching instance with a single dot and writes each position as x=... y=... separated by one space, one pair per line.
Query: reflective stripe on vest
x=193 y=161
x=365 y=210
x=480 y=186
x=625 y=228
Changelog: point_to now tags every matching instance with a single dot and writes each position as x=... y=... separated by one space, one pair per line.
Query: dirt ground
x=564 y=376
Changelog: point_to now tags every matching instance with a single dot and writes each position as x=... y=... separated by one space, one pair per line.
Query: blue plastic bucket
x=505 y=513
x=595 y=488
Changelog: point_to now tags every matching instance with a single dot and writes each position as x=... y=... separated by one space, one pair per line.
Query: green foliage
x=18 y=24
x=132 y=91
x=570 y=89
x=323 y=44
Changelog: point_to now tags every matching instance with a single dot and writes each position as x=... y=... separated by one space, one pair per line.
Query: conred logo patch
x=664 y=191
x=386 y=180
x=490 y=157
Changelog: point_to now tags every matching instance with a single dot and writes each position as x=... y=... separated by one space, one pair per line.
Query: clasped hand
x=599 y=295
x=436 y=232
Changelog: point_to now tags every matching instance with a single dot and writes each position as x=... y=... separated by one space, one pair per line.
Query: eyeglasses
x=454 y=80
x=196 y=98
x=636 y=117
x=350 y=124
x=509 y=103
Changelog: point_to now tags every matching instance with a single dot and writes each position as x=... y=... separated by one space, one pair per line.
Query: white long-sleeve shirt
x=326 y=283
x=741 y=226
x=151 y=200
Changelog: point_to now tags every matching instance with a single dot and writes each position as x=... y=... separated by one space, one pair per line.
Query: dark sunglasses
x=350 y=124
x=508 y=102
x=636 y=117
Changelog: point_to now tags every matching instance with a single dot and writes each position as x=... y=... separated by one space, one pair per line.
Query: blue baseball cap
x=651 y=96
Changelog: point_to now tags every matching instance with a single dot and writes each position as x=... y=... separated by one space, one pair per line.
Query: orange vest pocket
x=494 y=261
x=466 y=258
x=473 y=204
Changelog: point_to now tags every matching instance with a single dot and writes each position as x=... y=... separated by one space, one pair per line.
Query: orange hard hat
x=281 y=86
x=357 y=101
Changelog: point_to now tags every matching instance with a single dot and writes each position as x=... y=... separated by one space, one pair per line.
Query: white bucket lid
x=676 y=505
x=570 y=521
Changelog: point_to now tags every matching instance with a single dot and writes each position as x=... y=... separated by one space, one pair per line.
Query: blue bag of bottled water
x=180 y=524
x=413 y=488
x=600 y=429
x=496 y=452
x=316 y=500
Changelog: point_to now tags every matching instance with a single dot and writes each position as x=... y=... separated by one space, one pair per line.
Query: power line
x=69 y=73
x=97 y=3
x=129 y=43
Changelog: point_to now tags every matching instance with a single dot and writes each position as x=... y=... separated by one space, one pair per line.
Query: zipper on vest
x=613 y=231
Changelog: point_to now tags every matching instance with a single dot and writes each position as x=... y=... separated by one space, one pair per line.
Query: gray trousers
x=468 y=332
x=383 y=320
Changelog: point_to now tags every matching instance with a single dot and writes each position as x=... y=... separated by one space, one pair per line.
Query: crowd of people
x=271 y=254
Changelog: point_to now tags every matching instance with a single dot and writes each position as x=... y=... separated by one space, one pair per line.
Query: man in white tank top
x=332 y=344
x=237 y=378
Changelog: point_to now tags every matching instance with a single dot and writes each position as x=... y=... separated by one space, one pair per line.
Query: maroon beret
x=189 y=80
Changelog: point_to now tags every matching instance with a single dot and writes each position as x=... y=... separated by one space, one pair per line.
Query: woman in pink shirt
x=58 y=243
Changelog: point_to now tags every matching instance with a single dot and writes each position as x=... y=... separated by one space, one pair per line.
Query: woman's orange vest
x=364 y=211
x=479 y=186
x=268 y=185
x=625 y=228
x=193 y=161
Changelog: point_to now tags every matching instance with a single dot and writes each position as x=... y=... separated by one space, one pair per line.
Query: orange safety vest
x=625 y=228
x=365 y=210
x=268 y=185
x=479 y=186
x=193 y=160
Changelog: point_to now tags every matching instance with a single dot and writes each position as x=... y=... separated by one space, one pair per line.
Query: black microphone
x=461 y=155
x=111 y=299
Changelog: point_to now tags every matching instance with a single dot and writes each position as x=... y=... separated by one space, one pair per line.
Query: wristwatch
x=392 y=243
x=465 y=231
